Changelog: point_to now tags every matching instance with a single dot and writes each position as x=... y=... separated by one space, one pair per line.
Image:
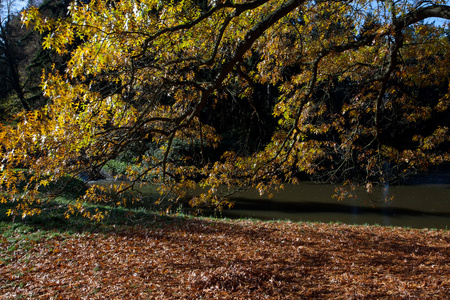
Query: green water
x=416 y=206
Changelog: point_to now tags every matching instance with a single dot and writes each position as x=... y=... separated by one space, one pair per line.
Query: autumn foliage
x=149 y=71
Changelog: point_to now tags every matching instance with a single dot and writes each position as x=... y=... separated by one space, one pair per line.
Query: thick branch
x=239 y=9
x=242 y=47
x=419 y=14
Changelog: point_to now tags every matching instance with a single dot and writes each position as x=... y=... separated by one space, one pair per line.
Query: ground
x=200 y=258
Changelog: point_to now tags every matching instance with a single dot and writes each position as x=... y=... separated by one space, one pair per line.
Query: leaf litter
x=223 y=259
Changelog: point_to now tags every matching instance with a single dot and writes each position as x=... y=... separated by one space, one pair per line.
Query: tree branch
x=419 y=14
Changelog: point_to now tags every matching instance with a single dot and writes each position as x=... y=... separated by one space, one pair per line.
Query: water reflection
x=417 y=206
x=424 y=206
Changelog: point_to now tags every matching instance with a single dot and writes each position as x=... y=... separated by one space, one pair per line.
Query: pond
x=415 y=205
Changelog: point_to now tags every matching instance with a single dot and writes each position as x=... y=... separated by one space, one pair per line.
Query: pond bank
x=416 y=206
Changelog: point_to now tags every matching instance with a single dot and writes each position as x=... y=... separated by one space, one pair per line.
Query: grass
x=143 y=212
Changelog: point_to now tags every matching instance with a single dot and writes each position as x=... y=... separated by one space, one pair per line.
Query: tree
x=152 y=71
x=22 y=58
x=12 y=55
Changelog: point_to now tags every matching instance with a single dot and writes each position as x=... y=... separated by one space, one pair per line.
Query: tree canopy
x=351 y=90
